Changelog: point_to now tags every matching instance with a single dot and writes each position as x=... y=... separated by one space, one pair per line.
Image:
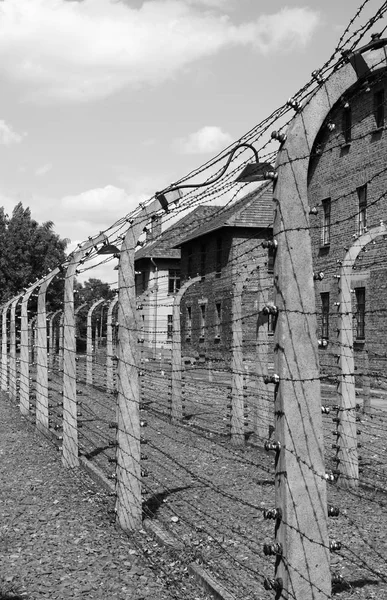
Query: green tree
x=28 y=252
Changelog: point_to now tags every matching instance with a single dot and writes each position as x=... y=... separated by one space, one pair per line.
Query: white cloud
x=283 y=30
x=8 y=136
x=209 y=3
x=43 y=170
x=77 y=51
x=207 y=139
x=97 y=208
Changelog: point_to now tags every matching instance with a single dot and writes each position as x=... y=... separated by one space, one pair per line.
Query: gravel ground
x=57 y=540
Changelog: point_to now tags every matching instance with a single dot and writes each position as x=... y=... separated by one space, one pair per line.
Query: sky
x=106 y=101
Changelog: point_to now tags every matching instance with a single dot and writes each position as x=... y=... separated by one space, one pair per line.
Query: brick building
x=225 y=247
x=347 y=183
x=157 y=266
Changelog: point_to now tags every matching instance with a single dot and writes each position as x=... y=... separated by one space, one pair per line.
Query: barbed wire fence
x=182 y=440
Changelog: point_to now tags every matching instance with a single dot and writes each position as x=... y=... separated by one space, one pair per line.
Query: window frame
x=325 y=310
x=346 y=124
x=379 y=112
x=203 y=320
x=188 y=322
x=218 y=322
x=326 y=222
x=360 y=294
x=174 y=281
x=362 y=209
x=169 y=327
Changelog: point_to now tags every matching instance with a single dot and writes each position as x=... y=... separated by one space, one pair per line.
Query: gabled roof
x=165 y=244
x=254 y=210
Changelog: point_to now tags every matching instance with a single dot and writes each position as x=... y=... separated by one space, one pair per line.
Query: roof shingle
x=165 y=245
x=253 y=210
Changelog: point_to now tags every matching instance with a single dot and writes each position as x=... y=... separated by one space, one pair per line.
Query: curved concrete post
x=4 y=347
x=237 y=370
x=300 y=473
x=61 y=342
x=70 y=429
x=41 y=355
x=25 y=343
x=48 y=322
x=348 y=465
x=89 y=342
x=53 y=338
x=261 y=416
x=129 y=503
x=109 y=346
x=32 y=339
x=12 y=349
x=176 y=375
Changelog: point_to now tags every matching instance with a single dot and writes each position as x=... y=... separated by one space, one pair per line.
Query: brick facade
x=347 y=183
x=221 y=257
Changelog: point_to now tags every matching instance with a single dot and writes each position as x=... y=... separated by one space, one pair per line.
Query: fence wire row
x=269 y=457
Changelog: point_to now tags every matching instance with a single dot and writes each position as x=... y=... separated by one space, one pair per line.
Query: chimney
x=154 y=230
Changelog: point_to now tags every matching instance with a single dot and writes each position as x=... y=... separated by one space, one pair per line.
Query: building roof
x=254 y=210
x=164 y=246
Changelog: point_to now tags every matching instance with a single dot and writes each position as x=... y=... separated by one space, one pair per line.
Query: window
x=189 y=262
x=203 y=256
x=271 y=323
x=188 y=323
x=325 y=316
x=326 y=222
x=141 y=281
x=202 y=321
x=360 y=313
x=218 y=320
x=270 y=259
x=219 y=255
x=347 y=124
x=173 y=281
x=379 y=108
x=362 y=214
x=169 y=327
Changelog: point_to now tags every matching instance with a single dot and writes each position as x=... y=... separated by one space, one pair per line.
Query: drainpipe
x=155 y=292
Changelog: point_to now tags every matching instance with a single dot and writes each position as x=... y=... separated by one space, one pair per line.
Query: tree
x=92 y=290
x=89 y=292
x=28 y=251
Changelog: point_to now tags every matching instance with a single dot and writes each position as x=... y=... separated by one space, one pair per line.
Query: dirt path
x=56 y=538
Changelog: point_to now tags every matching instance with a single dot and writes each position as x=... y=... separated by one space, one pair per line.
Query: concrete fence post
x=366 y=383
x=302 y=567
x=54 y=335
x=262 y=406
x=41 y=355
x=109 y=346
x=61 y=342
x=89 y=342
x=12 y=350
x=237 y=367
x=31 y=339
x=129 y=500
x=348 y=461
x=4 y=347
x=25 y=351
x=70 y=428
x=176 y=375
